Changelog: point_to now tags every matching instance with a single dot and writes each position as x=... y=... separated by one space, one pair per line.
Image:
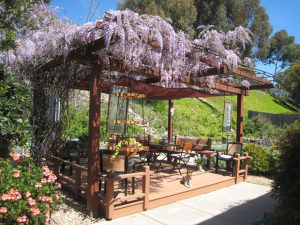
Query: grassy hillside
x=192 y=117
x=256 y=101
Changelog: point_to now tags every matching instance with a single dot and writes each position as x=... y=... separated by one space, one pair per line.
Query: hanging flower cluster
x=138 y=40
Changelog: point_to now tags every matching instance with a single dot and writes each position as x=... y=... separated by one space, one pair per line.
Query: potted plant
x=128 y=143
x=200 y=161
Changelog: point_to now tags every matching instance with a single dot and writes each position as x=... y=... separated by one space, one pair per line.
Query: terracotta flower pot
x=129 y=146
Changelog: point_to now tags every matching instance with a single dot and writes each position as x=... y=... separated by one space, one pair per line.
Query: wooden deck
x=166 y=188
x=162 y=188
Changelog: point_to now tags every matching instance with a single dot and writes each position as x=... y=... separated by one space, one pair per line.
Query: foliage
x=261 y=127
x=224 y=15
x=283 y=50
x=181 y=12
x=260 y=161
x=128 y=31
x=291 y=81
x=287 y=177
x=123 y=143
x=14 y=109
x=28 y=192
x=76 y=124
x=201 y=160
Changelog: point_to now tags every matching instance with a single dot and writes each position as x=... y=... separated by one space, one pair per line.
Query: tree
x=283 y=51
x=181 y=12
x=14 y=93
x=291 y=81
x=225 y=15
x=287 y=177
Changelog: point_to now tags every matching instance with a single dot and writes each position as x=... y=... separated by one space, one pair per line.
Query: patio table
x=166 y=149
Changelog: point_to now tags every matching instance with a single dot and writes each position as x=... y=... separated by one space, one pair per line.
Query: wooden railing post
x=246 y=166
x=77 y=182
x=146 y=187
x=56 y=168
x=109 y=198
x=237 y=168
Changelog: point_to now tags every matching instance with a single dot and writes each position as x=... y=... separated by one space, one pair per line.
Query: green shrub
x=28 y=193
x=261 y=127
x=260 y=158
x=286 y=187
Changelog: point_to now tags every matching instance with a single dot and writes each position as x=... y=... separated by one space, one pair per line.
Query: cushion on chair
x=226 y=157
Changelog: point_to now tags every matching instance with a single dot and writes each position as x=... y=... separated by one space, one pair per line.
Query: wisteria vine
x=137 y=40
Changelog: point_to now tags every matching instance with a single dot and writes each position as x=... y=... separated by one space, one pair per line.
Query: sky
x=282 y=15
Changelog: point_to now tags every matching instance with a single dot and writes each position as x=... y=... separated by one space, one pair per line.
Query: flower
x=27 y=194
x=3 y=210
x=27 y=155
x=16 y=173
x=47 y=214
x=43 y=159
x=43 y=181
x=38 y=185
x=17 y=158
x=58 y=184
x=31 y=202
x=56 y=197
x=22 y=219
x=35 y=211
x=11 y=154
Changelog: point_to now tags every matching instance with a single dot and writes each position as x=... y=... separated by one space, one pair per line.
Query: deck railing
x=110 y=198
x=241 y=160
x=75 y=185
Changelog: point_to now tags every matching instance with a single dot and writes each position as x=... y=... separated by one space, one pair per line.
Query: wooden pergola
x=99 y=81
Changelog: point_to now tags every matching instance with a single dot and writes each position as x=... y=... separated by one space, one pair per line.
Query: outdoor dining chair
x=120 y=165
x=229 y=154
x=181 y=159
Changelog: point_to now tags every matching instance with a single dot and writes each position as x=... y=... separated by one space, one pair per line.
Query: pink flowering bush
x=27 y=193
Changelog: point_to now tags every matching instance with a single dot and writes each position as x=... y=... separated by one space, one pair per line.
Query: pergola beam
x=251 y=76
x=75 y=54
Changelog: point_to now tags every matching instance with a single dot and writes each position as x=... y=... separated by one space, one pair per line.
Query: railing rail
x=78 y=174
x=110 y=199
x=238 y=160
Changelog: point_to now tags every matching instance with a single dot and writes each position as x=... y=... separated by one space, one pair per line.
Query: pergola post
x=93 y=147
x=170 y=120
x=240 y=118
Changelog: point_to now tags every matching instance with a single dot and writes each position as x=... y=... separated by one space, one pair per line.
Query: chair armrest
x=220 y=151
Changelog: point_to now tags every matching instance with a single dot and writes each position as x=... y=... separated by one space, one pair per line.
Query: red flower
x=27 y=155
x=35 y=211
x=38 y=185
x=31 y=202
x=17 y=158
x=3 y=210
x=22 y=219
x=58 y=184
x=16 y=173
x=27 y=194
x=11 y=154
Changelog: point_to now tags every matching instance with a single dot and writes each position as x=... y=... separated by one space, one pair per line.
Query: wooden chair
x=120 y=165
x=227 y=155
x=180 y=160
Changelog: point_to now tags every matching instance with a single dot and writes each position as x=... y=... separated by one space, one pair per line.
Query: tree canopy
x=291 y=81
x=181 y=12
x=223 y=14
x=282 y=51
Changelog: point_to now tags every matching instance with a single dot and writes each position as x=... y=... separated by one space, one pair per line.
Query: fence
x=276 y=119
